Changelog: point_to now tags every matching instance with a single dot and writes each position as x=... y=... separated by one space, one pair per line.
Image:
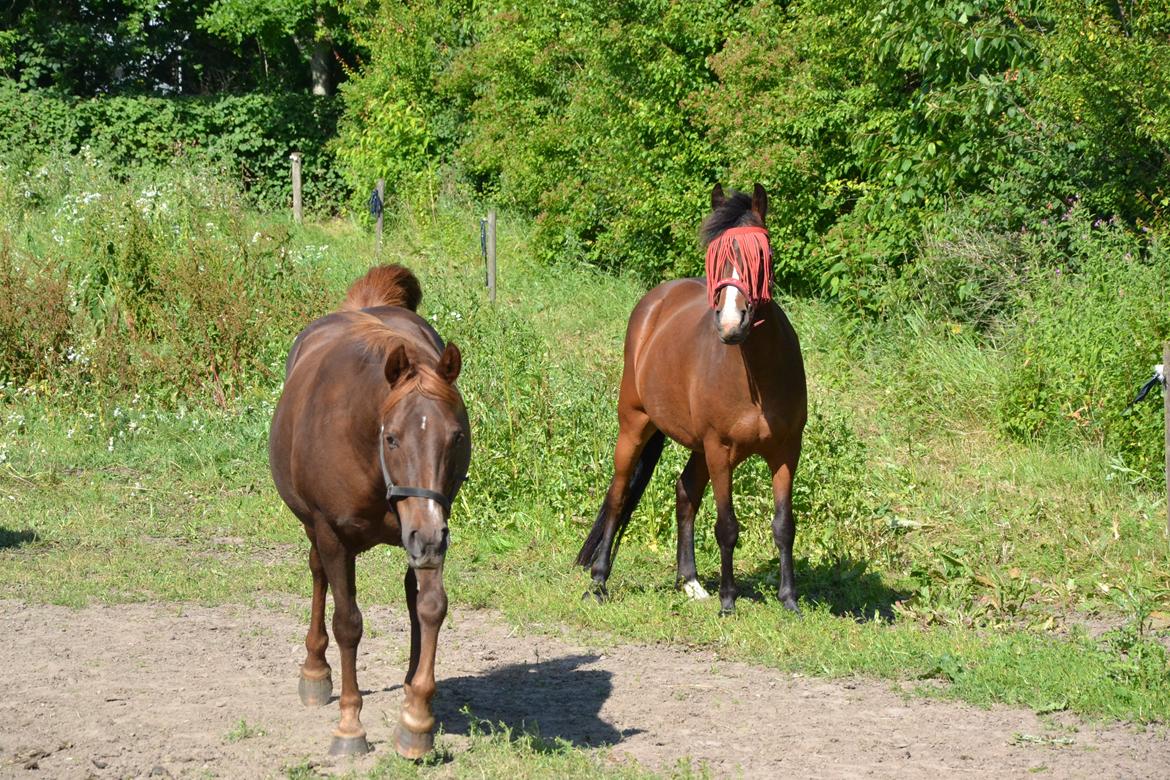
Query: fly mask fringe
x=753 y=261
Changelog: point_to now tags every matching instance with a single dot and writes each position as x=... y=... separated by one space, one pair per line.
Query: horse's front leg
x=692 y=483
x=427 y=601
x=726 y=525
x=783 y=523
x=350 y=736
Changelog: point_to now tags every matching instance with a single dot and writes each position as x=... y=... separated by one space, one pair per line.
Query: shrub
x=1086 y=337
x=247 y=137
x=158 y=284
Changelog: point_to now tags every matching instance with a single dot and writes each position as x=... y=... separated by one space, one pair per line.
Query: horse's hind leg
x=350 y=736
x=630 y=476
x=784 y=524
x=316 y=684
x=726 y=525
x=692 y=483
x=426 y=600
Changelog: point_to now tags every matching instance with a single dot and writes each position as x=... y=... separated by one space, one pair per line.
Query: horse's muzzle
x=734 y=332
x=734 y=338
x=426 y=550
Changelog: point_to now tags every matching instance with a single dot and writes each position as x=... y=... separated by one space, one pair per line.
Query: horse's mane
x=736 y=211
x=380 y=341
x=384 y=285
x=427 y=381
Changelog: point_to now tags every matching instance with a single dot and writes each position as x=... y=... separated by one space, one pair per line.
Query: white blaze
x=424 y=422
x=729 y=310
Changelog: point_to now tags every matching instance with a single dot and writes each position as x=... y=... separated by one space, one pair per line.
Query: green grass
x=928 y=548
x=502 y=752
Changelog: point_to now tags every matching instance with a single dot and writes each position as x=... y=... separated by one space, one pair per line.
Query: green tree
x=316 y=28
x=109 y=46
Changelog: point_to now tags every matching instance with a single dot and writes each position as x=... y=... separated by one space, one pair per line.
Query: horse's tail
x=384 y=285
x=638 y=481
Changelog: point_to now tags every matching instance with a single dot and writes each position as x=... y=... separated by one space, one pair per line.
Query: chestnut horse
x=716 y=366
x=369 y=445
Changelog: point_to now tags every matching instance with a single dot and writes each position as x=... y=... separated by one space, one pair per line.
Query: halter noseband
x=396 y=491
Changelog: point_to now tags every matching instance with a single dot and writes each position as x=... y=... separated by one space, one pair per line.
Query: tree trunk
x=319 y=67
x=319 y=62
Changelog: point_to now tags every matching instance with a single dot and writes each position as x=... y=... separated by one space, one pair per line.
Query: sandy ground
x=156 y=690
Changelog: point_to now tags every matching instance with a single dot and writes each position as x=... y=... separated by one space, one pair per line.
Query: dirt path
x=155 y=690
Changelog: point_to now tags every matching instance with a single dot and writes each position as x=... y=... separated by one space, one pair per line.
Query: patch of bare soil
x=160 y=690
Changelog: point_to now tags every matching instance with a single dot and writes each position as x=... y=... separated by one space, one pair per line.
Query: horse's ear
x=760 y=202
x=717 y=197
x=397 y=365
x=450 y=363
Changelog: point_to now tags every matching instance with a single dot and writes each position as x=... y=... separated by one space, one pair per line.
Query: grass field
x=930 y=552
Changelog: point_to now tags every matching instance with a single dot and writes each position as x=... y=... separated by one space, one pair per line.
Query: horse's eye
x=391 y=442
x=459 y=436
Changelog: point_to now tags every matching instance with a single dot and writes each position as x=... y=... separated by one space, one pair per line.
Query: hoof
x=694 y=590
x=791 y=606
x=597 y=592
x=315 y=693
x=411 y=745
x=349 y=746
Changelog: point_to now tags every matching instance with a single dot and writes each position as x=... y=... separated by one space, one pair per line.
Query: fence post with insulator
x=377 y=207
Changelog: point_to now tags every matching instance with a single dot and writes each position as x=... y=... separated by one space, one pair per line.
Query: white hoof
x=694 y=590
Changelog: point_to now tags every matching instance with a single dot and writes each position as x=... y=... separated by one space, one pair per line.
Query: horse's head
x=424 y=450
x=739 y=261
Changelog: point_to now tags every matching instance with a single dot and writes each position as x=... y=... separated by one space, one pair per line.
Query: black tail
x=638 y=481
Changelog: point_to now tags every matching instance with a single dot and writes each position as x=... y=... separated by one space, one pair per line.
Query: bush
x=1085 y=340
x=246 y=137
x=867 y=121
x=159 y=284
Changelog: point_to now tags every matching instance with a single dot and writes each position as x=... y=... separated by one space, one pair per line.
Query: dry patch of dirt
x=160 y=690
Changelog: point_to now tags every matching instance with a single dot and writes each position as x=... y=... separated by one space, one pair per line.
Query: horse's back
x=337 y=327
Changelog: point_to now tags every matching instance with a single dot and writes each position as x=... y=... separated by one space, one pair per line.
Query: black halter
x=395 y=491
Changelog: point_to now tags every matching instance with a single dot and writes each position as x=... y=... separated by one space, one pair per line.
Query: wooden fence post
x=382 y=200
x=491 y=255
x=296 y=184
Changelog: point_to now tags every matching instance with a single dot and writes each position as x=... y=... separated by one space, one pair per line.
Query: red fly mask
x=746 y=250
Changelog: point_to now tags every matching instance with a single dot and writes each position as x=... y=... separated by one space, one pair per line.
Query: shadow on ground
x=551 y=699
x=845 y=586
x=10 y=538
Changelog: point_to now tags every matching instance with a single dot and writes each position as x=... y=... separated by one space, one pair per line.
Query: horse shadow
x=844 y=585
x=554 y=700
x=10 y=538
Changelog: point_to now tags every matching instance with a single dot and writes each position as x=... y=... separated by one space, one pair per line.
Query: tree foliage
x=610 y=121
x=166 y=48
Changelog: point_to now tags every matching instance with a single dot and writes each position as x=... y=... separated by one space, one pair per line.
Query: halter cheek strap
x=396 y=491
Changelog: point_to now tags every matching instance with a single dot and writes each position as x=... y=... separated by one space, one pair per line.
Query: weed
x=243 y=730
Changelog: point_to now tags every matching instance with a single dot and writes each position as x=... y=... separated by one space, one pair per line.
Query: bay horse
x=715 y=365
x=369 y=445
